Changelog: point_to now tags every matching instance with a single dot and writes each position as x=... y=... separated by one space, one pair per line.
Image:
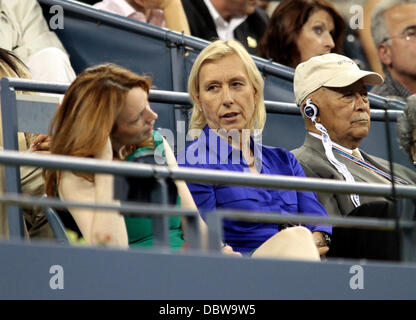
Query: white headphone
x=311 y=110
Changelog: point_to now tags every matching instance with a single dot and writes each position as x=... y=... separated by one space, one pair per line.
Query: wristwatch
x=327 y=238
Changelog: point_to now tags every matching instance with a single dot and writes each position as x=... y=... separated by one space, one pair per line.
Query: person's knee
x=290 y=243
x=297 y=232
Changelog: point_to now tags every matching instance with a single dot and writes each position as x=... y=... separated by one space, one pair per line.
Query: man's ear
x=384 y=53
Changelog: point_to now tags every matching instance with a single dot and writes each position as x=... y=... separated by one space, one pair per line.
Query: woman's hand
x=107 y=152
x=41 y=144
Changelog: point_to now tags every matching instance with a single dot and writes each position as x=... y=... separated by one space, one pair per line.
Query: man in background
x=393 y=27
x=237 y=20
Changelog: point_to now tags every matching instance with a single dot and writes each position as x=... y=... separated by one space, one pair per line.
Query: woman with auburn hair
x=105 y=114
x=228 y=114
x=85 y=126
x=301 y=29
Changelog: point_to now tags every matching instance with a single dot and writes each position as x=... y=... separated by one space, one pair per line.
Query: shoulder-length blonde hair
x=88 y=113
x=216 y=51
x=11 y=66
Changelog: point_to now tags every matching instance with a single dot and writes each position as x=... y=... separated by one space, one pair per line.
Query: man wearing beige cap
x=330 y=91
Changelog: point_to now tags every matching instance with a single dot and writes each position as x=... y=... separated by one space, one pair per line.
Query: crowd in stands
x=105 y=115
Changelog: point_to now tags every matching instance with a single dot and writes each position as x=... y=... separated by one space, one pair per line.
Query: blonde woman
x=226 y=89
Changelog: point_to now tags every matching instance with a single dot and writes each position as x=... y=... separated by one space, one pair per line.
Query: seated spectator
x=393 y=26
x=24 y=31
x=330 y=91
x=406 y=127
x=105 y=115
x=226 y=89
x=35 y=223
x=162 y=13
x=301 y=29
x=227 y=20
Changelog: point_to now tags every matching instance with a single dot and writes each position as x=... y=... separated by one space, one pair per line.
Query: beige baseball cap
x=329 y=70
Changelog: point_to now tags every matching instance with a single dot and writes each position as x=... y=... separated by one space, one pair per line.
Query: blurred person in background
x=239 y=20
x=301 y=29
x=25 y=32
x=32 y=183
x=406 y=127
x=163 y=13
x=393 y=26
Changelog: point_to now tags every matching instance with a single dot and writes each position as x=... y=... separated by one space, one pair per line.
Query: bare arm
x=187 y=202
x=175 y=16
x=97 y=226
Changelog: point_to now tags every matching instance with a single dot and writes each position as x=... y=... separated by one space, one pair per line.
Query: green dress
x=139 y=230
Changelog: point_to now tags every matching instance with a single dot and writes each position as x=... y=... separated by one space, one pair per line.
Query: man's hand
x=320 y=243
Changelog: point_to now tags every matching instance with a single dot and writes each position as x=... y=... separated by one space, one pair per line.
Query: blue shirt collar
x=212 y=137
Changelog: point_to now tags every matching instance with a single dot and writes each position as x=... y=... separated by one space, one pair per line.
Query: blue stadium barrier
x=48 y=271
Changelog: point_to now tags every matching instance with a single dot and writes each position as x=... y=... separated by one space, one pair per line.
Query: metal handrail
x=182 y=98
x=129 y=208
x=206 y=176
x=203 y=176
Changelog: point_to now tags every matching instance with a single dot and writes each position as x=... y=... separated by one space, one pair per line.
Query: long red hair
x=88 y=114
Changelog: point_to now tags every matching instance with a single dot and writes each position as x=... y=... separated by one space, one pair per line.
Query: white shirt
x=24 y=31
x=225 y=30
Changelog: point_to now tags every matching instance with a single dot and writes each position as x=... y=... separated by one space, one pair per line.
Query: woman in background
x=301 y=29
